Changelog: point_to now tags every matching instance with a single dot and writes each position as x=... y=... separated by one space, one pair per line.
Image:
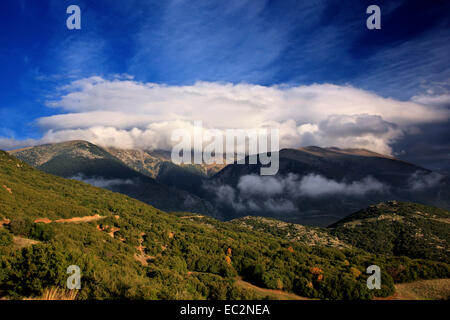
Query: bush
x=5 y=238
x=21 y=227
x=38 y=267
x=43 y=232
x=387 y=286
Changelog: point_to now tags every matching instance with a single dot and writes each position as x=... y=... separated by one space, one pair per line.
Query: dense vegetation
x=398 y=228
x=135 y=251
x=311 y=236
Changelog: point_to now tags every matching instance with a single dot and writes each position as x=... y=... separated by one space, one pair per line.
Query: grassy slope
x=191 y=258
x=437 y=289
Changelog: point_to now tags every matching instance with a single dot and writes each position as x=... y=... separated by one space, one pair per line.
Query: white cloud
x=100 y=182
x=421 y=180
x=311 y=185
x=438 y=100
x=277 y=193
x=252 y=185
x=315 y=185
x=128 y=114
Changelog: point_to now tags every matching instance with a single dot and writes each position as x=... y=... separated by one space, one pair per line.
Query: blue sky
x=264 y=43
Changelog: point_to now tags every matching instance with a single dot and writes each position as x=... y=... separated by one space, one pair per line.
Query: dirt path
x=71 y=220
x=276 y=294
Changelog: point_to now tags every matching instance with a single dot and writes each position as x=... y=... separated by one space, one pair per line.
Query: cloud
x=279 y=206
x=311 y=185
x=11 y=143
x=421 y=180
x=315 y=185
x=100 y=182
x=124 y=113
x=241 y=43
x=277 y=193
x=252 y=185
x=355 y=125
x=439 y=100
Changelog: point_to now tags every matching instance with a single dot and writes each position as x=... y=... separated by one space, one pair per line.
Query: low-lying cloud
x=279 y=194
x=421 y=180
x=311 y=185
x=101 y=182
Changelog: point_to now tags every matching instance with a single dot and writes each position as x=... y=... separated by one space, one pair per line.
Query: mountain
x=127 y=249
x=87 y=162
x=398 y=228
x=152 y=162
x=333 y=163
x=319 y=186
x=158 y=165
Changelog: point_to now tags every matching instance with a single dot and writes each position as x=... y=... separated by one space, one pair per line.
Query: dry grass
x=438 y=289
x=272 y=294
x=20 y=242
x=56 y=294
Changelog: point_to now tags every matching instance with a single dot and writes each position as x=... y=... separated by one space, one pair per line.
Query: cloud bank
x=129 y=114
x=278 y=194
x=100 y=182
x=421 y=180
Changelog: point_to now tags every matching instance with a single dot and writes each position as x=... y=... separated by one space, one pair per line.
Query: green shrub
x=5 y=238
x=21 y=227
x=42 y=232
x=36 y=268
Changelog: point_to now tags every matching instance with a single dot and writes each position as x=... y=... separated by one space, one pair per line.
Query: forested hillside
x=398 y=228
